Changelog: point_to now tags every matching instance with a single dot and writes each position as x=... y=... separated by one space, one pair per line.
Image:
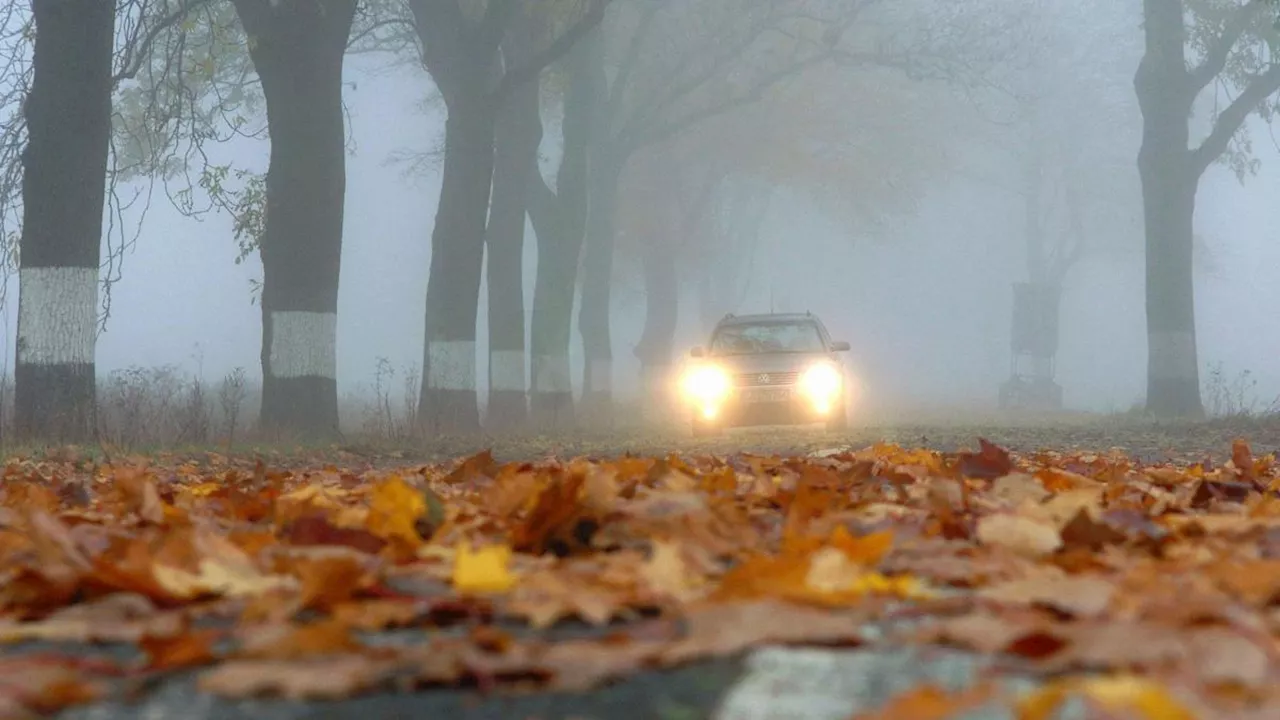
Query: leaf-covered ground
x=873 y=580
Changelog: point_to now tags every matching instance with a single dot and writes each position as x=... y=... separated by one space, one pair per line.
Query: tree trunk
x=448 y=400
x=559 y=249
x=1173 y=377
x=657 y=343
x=298 y=51
x=560 y=221
x=1169 y=182
x=518 y=134
x=597 y=282
x=68 y=114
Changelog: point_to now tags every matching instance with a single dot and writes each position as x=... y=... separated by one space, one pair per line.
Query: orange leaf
x=188 y=649
x=863 y=550
x=930 y=702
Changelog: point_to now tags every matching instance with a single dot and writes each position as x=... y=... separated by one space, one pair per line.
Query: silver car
x=775 y=369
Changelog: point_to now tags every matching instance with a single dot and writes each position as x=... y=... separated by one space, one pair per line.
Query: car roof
x=767 y=317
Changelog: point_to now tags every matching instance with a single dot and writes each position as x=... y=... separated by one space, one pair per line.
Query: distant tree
x=517 y=137
x=559 y=219
x=677 y=67
x=671 y=67
x=460 y=44
x=861 y=170
x=1190 y=46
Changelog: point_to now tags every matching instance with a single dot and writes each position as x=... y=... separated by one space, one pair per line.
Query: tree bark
x=518 y=135
x=597 y=283
x=662 y=310
x=448 y=399
x=68 y=114
x=298 y=51
x=1169 y=181
x=560 y=218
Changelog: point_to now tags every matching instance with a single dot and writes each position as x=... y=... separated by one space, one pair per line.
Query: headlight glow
x=706 y=384
x=821 y=383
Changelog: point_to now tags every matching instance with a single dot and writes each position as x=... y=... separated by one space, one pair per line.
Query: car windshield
x=767 y=337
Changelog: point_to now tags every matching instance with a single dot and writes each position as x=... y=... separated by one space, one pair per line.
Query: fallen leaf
x=1149 y=699
x=1079 y=596
x=188 y=649
x=1019 y=534
x=483 y=571
x=336 y=677
x=931 y=702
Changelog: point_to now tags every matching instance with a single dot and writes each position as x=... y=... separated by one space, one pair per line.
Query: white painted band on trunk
x=506 y=370
x=601 y=375
x=451 y=364
x=304 y=344
x=551 y=374
x=1172 y=355
x=57 y=315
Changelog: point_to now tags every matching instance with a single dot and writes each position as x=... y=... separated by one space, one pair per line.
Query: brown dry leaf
x=138 y=491
x=1256 y=582
x=119 y=617
x=989 y=463
x=375 y=615
x=719 y=629
x=1080 y=596
x=330 y=578
x=554 y=511
x=545 y=598
x=44 y=687
x=289 y=642
x=1020 y=534
x=335 y=677
x=1227 y=657
x=189 y=649
x=668 y=574
x=217 y=577
x=982 y=631
x=1016 y=488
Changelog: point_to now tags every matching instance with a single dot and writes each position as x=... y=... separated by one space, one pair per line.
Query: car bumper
x=739 y=412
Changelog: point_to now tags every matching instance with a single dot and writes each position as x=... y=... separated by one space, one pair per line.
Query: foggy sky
x=926 y=307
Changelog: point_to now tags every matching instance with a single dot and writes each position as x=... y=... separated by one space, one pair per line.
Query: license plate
x=766 y=395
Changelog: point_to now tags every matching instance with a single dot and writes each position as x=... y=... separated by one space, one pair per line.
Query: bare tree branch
x=531 y=68
x=1232 y=118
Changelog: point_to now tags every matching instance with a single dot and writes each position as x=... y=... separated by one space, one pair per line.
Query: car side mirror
x=840 y=346
x=697 y=352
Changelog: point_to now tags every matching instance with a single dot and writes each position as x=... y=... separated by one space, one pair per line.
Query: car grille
x=757 y=379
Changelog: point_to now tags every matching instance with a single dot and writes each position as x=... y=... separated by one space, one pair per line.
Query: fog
x=923 y=296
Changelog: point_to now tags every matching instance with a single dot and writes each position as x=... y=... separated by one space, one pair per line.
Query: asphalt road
x=767 y=684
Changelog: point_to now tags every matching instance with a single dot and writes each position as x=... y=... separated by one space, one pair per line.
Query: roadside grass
x=163 y=412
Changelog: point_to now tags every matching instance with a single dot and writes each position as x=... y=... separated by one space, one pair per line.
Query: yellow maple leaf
x=485 y=570
x=394 y=509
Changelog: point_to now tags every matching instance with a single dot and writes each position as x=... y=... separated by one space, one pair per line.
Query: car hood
x=768 y=362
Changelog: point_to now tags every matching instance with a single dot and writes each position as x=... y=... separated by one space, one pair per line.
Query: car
x=767 y=369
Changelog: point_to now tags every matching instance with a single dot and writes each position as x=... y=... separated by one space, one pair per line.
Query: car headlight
x=821 y=383
x=706 y=384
